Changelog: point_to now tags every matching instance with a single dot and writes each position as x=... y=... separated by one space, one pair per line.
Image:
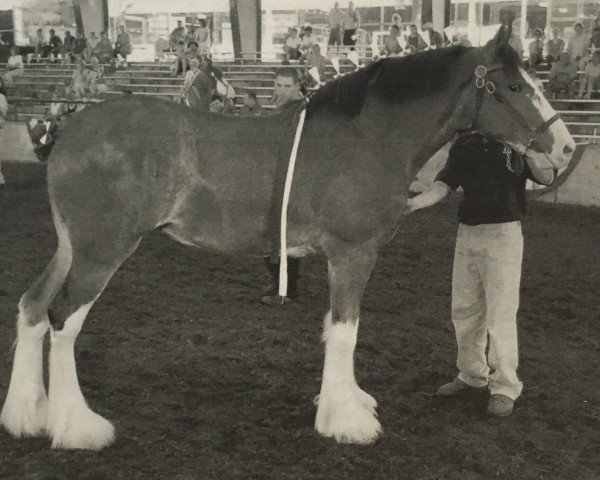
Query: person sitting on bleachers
x=435 y=39
x=291 y=47
x=55 y=45
x=563 y=75
x=95 y=76
x=123 y=45
x=79 y=46
x=190 y=75
x=177 y=35
x=57 y=108
x=91 y=44
x=536 y=48
x=68 y=46
x=79 y=80
x=251 y=105
x=554 y=47
x=579 y=44
x=391 y=45
x=202 y=36
x=595 y=39
x=192 y=52
x=3 y=103
x=316 y=61
x=14 y=67
x=180 y=65
x=40 y=43
x=307 y=43
x=415 y=40
x=590 y=79
x=103 y=50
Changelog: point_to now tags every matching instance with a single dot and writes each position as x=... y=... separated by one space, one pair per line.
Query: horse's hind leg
x=25 y=410
x=71 y=423
x=344 y=410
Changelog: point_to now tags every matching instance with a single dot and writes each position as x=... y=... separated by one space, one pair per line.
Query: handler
x=487 y=262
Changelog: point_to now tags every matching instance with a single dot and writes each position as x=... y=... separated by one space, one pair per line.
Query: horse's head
x=512 y=109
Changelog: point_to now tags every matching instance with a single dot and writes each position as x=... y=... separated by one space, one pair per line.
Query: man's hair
x=308 y=29
x=288 y=73
x=294 y=30
x=395 y=27
x=251 y=94
x=578 y=24
x=192 y=43
x=52 y=30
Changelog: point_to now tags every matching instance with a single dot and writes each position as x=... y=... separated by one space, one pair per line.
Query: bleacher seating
x=29 y=97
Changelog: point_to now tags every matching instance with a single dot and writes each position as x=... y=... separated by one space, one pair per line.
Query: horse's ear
x=502 y=36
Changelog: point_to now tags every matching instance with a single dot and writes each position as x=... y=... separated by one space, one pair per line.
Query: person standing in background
x=351 y=25
x=435 y=39
x=335 y=20
x=123 y=44
x=579 y=45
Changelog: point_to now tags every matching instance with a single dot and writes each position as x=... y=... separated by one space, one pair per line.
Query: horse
x=210 y=181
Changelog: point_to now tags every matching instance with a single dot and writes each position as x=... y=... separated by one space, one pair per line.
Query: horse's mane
x=397 y=80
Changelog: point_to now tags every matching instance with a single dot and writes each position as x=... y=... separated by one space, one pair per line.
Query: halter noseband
x=482 y=82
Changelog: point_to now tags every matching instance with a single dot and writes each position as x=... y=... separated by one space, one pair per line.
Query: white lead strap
x=283 y=271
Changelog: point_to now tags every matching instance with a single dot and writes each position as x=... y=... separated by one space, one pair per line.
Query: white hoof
x=25 y=415
x=81 y=429
x=349 y=419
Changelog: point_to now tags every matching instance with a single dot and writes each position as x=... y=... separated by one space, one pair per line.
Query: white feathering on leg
x=344 y=412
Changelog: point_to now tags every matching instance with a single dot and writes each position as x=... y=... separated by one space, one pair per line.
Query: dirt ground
x=203 y=382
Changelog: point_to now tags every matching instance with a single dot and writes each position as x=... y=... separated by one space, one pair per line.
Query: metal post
x=523 y=21
x=549 y=18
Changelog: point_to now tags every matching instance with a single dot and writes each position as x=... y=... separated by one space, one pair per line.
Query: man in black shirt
x=487 y=262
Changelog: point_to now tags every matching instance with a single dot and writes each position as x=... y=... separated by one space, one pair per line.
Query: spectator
x=590 y=79
x=57 y=108
x=307 y=43
x=192 y=52
x=123 y=44
x=414 y=39
x=177 y=35
x=40 y=43
x=316 y=61
x=190 y=75
x=68 y=46
x=536 y=48
x=202 y=36
x=103 y=50
x=351 y=25
x=554 y=47
x=435 y=39
x=391 y=45
x=335 y=20
x=55 y=45
x=579 y=44
x=563 y=75
x=291 y=47
x=251 y=105
x=96 y=78
x=14 y=67
x=287 y=89
x=79 y=80
x=515 y=42
x=180 y=65
x=3 y=103
x=79 y=45
x=91 y=44
x=595 y=40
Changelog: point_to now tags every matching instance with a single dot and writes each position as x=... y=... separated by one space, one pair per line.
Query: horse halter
x=482 y=82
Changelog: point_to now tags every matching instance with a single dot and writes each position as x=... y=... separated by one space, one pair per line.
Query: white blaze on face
x=562 y=138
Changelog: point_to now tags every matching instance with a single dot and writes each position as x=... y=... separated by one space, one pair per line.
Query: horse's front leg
x=345 y=412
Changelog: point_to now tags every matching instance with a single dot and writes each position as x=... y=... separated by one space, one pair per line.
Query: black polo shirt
x=492 y=178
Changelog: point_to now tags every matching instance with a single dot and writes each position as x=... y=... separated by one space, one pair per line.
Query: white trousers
x=485 y=299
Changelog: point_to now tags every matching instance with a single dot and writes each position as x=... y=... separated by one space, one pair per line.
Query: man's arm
x=434 y=194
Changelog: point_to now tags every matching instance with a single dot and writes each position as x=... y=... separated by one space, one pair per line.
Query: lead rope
x=283 y=271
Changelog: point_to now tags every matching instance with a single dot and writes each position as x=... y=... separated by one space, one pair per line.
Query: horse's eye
x=515 y=87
